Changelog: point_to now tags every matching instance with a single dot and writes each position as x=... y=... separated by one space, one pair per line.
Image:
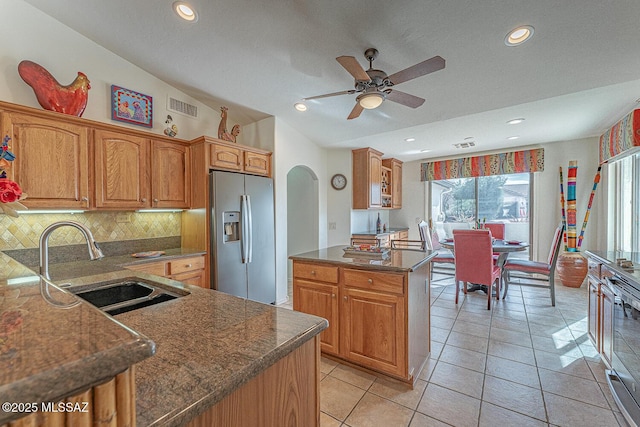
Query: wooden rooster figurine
x=51 y=95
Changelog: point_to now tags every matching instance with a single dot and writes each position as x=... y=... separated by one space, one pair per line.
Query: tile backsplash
x=24 y=232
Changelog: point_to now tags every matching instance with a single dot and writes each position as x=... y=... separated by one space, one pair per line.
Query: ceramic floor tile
x=436 y=349
x=441 y=322
x=506 y=369
x=587 y=391
x=551 y=345
x=464 y=358
x=353 y=376
x=428 y=369
x=328 y=421
x=470 y=342
x=338 y=398
x=398 y=392
x=449 y=406
x=439 y=334
x=492 y=415
x=545 y=320
x=512 y=352
x=567 y=412
x=458 y=379
x=327 y=365
x=517 y=397
x=511 y=337
x=450 y=312
x=421 y=420
x=374 y=411
x=562 y=363
x=510 y=324
x=480 y=330
x=597 y=369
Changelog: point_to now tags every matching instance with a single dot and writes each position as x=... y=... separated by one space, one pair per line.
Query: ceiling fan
x=374 y=86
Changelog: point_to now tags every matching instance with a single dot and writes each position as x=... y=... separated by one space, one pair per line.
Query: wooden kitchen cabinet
x=122 y=171
x=170 y=175
x=367 y=178
x=257 y=163
x=593 y=311
x=52 y=160
x=315 y=292
x=225 y=155
x=601 y=302
x=394 y=167
x=189 y=269
x=607 y=303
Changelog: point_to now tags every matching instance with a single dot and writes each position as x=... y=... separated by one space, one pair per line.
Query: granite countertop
x=398 y=260
x=53 y=347
x=609 y=258
x=375 y=233
x=207 y=343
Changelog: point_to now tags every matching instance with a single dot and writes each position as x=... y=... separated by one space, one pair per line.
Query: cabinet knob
x=143 y=200
x=370 y=281
x=155 y=200
x=346 y=298
x=333 y=295
x=188 y=266
x=313 y=272
x=85 y=199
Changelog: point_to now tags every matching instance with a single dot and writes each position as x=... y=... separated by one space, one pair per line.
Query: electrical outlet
x=123 y=217
x=332 y=226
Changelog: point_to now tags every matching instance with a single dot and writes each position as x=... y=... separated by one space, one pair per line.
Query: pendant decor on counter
x=222 y=127
x=51 y=95
x=571 y=265
x=10 y=191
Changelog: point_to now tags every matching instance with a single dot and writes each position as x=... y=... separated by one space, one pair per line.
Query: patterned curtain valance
x=491 y=164
x=623 y=136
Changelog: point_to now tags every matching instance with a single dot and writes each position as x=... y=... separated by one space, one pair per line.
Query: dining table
x=501 y=247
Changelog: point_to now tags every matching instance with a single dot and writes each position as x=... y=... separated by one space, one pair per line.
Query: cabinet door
x=320 y=300
x=608 y=298
x=52 y=161
x=593 y=315
x=257 y=163
x=373 y=327
x=396 y=185
x=191 y=278
x=171 y=175
x=375 y=179
x=223 y=157
x=121 y=170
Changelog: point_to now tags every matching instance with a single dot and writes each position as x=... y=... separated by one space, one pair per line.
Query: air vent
x=465 y=144
x=181 y=107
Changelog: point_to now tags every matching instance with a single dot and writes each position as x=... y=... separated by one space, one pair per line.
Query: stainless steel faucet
x=94 y=250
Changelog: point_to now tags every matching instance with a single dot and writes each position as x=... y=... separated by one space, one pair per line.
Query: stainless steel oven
x=624 y=376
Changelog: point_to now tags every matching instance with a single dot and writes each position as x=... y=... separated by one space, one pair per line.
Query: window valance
x=623 y=136
x=490 y=164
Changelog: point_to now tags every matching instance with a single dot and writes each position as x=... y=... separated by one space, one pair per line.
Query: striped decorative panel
x=623 y=136
x=490 y=164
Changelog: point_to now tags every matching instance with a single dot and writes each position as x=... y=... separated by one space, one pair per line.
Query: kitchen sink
x=125 y=295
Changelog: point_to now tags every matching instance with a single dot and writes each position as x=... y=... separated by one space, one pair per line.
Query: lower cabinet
x=321 y=300
x=600 y=314
x=189 y=270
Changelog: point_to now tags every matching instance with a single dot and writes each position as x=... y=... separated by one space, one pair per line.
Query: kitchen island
x=378 y=308
x=213 y=352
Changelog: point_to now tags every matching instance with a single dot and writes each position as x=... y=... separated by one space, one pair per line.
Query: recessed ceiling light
x=513 y=137
x=515 y=121
x=518 y=35
x=409 y=139
x=425 y=151
x=469 y=138
x=185 y=11
x=300 y=106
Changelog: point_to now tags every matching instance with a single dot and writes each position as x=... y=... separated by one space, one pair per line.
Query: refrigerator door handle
x=250 y=227
x=244 y=229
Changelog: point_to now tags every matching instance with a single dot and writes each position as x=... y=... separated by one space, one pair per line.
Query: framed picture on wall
x=131 y=107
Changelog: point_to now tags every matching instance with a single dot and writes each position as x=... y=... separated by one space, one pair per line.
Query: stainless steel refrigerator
x=243 y=236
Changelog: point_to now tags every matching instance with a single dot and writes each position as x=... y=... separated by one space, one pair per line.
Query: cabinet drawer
x=157 y=268
x=593 y=268
x=186 y=264
x=323 y=273
x=385 y=282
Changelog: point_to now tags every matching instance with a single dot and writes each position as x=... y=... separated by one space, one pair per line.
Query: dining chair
x=532 y=270
x=497 y=229
x=474 y=261
x=443 y=256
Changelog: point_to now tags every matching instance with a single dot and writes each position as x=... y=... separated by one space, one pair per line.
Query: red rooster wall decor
x=51 y=95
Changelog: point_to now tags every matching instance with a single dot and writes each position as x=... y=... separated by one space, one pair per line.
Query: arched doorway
x=302 y=211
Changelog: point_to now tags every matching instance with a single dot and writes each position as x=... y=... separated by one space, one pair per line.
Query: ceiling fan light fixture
x=300 y=106
x=519 y=35
x=369 y=101
x=185 y=11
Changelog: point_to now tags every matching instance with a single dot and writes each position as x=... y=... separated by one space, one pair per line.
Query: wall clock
x=338 y=181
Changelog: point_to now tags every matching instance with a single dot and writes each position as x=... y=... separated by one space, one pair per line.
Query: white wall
x=27 y=33
x=414 y=200
x=294 y=149
x=302 y=211
x=339 y=202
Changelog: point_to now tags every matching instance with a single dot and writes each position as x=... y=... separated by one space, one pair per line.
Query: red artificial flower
x=9 y=191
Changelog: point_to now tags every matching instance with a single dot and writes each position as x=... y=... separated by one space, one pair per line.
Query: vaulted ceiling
x=577 y=76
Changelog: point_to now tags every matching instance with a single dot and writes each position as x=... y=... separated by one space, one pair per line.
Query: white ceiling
x=577 y=76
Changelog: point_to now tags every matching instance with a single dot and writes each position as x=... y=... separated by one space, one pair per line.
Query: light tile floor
x=524 y=363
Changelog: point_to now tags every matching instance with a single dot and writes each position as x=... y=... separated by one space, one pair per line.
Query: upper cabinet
x=225 y=155
x=52 y=160
x=170 y=175
x=377 y=182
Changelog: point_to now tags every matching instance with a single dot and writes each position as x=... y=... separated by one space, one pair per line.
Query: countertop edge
x=241 y=378
x=428 y=257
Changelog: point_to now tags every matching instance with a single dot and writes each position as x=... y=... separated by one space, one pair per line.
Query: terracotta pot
x=572 y=269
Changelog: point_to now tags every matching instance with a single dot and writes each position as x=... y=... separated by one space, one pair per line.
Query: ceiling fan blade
x=355 y=113
x=344 y=92
x=353 y=67
x=405 y=98
x=425 y=67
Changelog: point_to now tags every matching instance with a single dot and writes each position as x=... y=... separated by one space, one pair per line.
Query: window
x=460 y=203
x=624 y=208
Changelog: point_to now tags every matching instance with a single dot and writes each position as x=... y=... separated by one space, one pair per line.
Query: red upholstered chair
x=444 y=256
x=497 y=229
x=474 y=261
x=535 y=269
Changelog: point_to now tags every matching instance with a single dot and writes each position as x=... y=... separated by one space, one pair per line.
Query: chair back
x=555 y=246
x=473 y=256
x=497 y=229
x=425 y=237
